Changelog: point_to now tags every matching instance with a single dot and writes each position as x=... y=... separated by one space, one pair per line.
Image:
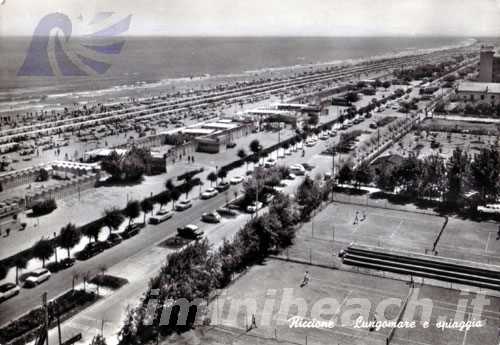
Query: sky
x=465 y=18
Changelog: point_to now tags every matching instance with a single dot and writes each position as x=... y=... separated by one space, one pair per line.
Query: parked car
x=183 y=205
x=209 y=193
x=8 y=290
x=223 y=186
x=333 y=133
x=254 y=206
x=227 y=212
x=131 y=230
x=211 y=217
x=231 y=145
x=270 y=162
x=161 y=216
x=190 y=231
x=236 y=180
x=297 y=169
x=90 y=250
x=37 y=277
x=113 y=239
x=308 y=166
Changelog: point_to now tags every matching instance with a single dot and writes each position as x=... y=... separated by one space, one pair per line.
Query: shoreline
x=116 y=93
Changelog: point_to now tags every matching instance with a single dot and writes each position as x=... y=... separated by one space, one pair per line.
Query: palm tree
x=175 y=194
x=242 y=155
x=69 y=237
x=20 y=263
x=132 y=210
x=92 y=231
x=169 y=185
x=113 y=218
x=212 y=177
x=222 y=174
x=43 y=250
x=146 y=207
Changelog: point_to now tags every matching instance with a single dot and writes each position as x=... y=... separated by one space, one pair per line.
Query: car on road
x=190 y=231
x=328 y=175
x=333 y=133
x=310 y=142
x=113 y=239
x=211 y=217
x=270 y=162
x=308 y=166
x=297 y=170
x=161 y=216
x=236 y=180
x=90 y=250
x=37 y=277
x=223 y=186
x=8 y=290
x=290 y=176
x=324 y=136
x=227 y=212
x=231 y=145
x=209 y=193
x=254 y=207
x=132 y=230
x=373 y=126
x=183 y=205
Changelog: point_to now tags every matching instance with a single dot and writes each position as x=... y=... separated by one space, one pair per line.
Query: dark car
x=227 y=212
x=231 y=145
x=131 y=231
x=113 y=240
x=223 y=186
x=190 y=231
x=90 y=250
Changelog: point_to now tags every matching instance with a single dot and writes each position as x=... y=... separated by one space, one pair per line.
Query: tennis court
x=272 y=293
x=469 y=240
x=374 y=226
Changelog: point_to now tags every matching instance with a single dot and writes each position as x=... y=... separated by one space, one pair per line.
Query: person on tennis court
x=306 y=279
x=356 y=218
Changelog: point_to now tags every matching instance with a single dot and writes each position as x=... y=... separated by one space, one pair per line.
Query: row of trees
x=434 y=177
x=196 y=271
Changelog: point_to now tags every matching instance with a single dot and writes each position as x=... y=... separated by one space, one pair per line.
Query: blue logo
x=43 y=56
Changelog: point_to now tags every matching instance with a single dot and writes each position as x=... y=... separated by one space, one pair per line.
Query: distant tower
x=486 y=64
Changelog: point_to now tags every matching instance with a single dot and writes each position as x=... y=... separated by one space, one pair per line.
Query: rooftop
x=469 y=86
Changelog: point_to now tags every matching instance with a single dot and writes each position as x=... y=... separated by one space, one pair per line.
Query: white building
x=479 y=92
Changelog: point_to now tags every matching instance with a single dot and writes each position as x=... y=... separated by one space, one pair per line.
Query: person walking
x=306 y=279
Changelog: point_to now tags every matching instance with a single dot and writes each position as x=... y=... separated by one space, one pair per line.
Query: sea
x=144 y=60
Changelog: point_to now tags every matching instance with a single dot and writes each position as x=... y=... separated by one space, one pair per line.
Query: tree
x=132 y=210
x=243 y=155
x=92 y=231
x=113 y=218
x=175 y=194
x=255 y=146
x=20 y=263
x=345 y=174
x=146 y=207
x=43 y=250
x=69 y=236
x=362 y=175
x=164 y=198
x=212 y=177
x=408 y=175
x=169 y=185
x=222 y=174
x=485 y=171
x=456 y=170
x=3 y=271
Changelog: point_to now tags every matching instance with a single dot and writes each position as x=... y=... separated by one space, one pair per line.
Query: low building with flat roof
x=479 y=92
